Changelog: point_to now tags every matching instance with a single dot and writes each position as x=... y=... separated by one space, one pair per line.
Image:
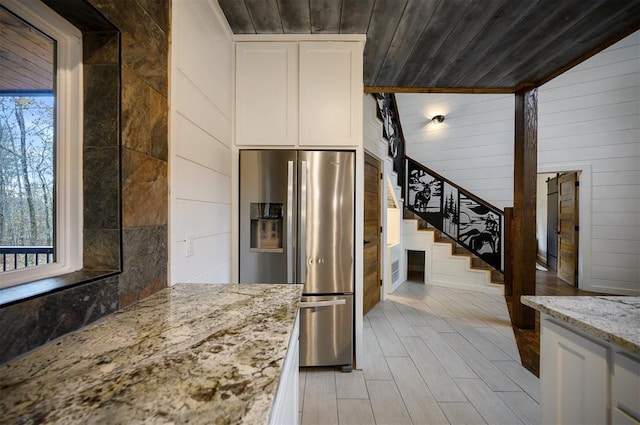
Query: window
x=40 y=143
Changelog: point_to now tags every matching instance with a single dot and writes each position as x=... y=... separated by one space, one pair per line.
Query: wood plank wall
x=591 y=115
x=372 y=131
x=201 y=141
x=587 y=116
x=473 y=146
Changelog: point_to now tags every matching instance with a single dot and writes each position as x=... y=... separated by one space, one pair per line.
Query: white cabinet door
x=625 y=396
x=574 y=377
x=266 y=93
x=285 y=406
x=331 y=92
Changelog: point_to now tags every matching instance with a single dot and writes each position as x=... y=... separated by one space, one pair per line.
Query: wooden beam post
x=524 y=204
x=508 y=251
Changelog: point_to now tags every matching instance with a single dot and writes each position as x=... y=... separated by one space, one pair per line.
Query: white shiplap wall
x=376 y=146
x=201 y=139
x=589 y=120
x=473 y=147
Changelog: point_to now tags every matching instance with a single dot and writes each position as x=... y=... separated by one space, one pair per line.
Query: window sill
x=37 y=288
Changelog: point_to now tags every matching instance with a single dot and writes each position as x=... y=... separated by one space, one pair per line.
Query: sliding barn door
x=568 y=228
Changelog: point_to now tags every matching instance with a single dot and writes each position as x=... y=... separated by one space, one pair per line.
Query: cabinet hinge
x=577 y=228
x=380 y=229
x=380 y=282
x=381 y=175
x=577 y=184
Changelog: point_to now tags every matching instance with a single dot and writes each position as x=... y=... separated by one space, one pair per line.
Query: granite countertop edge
x=612 y=318
x=196 y=353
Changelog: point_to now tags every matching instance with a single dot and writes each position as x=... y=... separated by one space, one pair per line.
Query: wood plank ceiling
x=26 y=57
x=451 y=45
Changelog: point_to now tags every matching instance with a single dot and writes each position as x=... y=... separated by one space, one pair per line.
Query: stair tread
x=496 y=278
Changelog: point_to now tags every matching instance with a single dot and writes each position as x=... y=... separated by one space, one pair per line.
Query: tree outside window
x=26 y=174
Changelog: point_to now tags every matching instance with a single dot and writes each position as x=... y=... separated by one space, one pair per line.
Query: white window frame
x=68 y=199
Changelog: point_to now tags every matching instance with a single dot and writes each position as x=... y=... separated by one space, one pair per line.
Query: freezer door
x=326 y=330
x=326 y=222
x=268 y=214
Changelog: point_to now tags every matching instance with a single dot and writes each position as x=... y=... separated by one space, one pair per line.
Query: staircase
x=470 y=254
x=448 y=265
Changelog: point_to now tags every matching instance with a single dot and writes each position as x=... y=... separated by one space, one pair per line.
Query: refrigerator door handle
x=303 y=222
x=311 y=304
x=290 y=232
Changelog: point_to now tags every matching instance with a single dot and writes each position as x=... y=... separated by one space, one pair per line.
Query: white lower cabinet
x=625 y=396
x=573 y=377
x=586 y=380
x=285 y=406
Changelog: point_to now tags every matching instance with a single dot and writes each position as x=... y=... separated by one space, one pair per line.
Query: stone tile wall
x=125 y=171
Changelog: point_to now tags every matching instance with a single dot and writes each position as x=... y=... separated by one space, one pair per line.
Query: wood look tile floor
x=431 y=355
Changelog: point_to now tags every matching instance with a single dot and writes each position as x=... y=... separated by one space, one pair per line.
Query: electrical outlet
x=189 y=249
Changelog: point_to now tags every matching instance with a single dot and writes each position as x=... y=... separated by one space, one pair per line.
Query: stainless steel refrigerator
x=297 y=226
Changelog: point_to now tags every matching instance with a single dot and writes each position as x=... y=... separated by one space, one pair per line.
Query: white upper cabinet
x=331 y=90
x=299 y=93
x=266 y=93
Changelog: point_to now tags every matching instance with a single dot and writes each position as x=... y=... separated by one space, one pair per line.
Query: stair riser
x=444 y=267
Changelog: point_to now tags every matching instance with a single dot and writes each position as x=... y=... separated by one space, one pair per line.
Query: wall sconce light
x=437 y=119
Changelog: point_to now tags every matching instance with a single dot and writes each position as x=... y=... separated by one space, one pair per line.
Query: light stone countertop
x=196 y=353
x=613 y=318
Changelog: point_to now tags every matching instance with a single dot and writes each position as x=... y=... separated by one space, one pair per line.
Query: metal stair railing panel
x=472 y=222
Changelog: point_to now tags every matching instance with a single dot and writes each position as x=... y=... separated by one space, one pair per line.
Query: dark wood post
x=508 y=252
x=525 y=168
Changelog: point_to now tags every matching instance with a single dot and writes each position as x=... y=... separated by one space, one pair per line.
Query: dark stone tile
x=81 y=14
x=74 y=300
x=158 y=126
x=45 y=287
x=101 y=105
x=135 y=113
x=144 y=190
x=101 y=188
x=32 y=323
x=145 y=46
x=147 y=56
x=145 y=263
x=101 y=48
x=101 y=249
x=155 y=73
x=159 y=11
